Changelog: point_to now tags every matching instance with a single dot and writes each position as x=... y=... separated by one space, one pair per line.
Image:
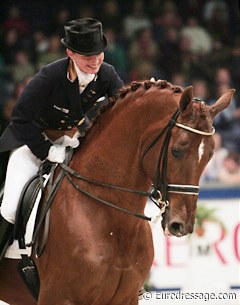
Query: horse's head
x=188 y=148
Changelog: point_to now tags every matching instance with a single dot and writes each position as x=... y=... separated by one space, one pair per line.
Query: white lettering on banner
x=211 y=260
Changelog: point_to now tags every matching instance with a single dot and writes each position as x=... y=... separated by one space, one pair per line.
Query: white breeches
x=22 y=166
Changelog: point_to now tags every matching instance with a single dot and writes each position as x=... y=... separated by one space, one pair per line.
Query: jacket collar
x=93 y=91
x=73 y=72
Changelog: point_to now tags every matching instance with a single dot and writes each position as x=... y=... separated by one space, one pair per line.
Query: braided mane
x=134 y=87
x=147 y=84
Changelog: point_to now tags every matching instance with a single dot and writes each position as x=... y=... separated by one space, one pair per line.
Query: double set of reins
x=161 y=188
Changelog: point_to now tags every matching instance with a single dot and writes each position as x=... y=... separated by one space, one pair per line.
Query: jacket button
x=63 y=121
x=69 y=127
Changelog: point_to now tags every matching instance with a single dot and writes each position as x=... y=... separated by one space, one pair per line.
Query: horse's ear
x=186 y=98
x=222 y=102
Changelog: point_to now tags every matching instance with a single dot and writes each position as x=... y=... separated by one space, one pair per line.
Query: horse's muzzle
x=175 y=226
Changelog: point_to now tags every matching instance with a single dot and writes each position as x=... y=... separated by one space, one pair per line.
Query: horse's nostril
x=176 y=228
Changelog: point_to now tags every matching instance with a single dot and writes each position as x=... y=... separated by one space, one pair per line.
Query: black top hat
x=85 y=36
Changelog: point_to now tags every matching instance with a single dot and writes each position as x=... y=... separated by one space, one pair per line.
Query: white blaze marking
x=200 y=151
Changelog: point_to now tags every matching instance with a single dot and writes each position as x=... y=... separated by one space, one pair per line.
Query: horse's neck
x=112 y=150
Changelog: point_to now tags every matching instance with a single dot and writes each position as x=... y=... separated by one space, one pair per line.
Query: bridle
x=160 y=189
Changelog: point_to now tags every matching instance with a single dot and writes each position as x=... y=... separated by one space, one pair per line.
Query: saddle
x=33 y=193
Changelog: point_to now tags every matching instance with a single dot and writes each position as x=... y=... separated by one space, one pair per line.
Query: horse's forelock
x=201 y=116
x=204 y=112
x=201 y=110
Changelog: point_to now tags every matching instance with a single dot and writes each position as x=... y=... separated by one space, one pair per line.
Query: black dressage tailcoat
x=52 y=101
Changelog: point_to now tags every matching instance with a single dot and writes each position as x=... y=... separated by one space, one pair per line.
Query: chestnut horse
x=96 y=254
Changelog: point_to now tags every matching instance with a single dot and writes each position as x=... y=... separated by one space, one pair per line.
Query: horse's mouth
x=168 y=233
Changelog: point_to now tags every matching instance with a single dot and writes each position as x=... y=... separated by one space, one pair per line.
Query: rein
x=160 y=187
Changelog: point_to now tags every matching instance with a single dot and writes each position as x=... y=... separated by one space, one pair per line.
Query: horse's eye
x=177 y=152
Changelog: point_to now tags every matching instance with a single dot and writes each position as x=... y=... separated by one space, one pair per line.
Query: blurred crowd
x=187 y=42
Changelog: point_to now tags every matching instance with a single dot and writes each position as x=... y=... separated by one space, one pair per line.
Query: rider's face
x=88 y=64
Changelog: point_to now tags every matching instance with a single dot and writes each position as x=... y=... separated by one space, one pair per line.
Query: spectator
x=223 y=76
x=178 y=79
x=135 y=20
x=227 y=123
x=21 y=85
x=85 y=11
x=14 y=20
x=11 y=44
x=190 y=8
x=143 y=48
x=200 y=40
x=186 y=56
x=235 y=61
x=111 y=16
x=170 y=52
x=219 y=55
x=22 y=67
x=230 y=172
x=62 y=17
x=53 y=53
x=168 y=19
x=200 y=89
x=218 y=20
x=116 y=55
x=39 y=45
x=9 y=103
x=213 y=168
x=146 y=70
x=210 y=8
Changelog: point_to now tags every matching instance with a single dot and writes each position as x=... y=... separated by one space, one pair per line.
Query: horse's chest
x=117 y=258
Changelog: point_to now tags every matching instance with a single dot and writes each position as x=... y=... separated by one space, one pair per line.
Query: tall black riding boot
x=6 y=230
